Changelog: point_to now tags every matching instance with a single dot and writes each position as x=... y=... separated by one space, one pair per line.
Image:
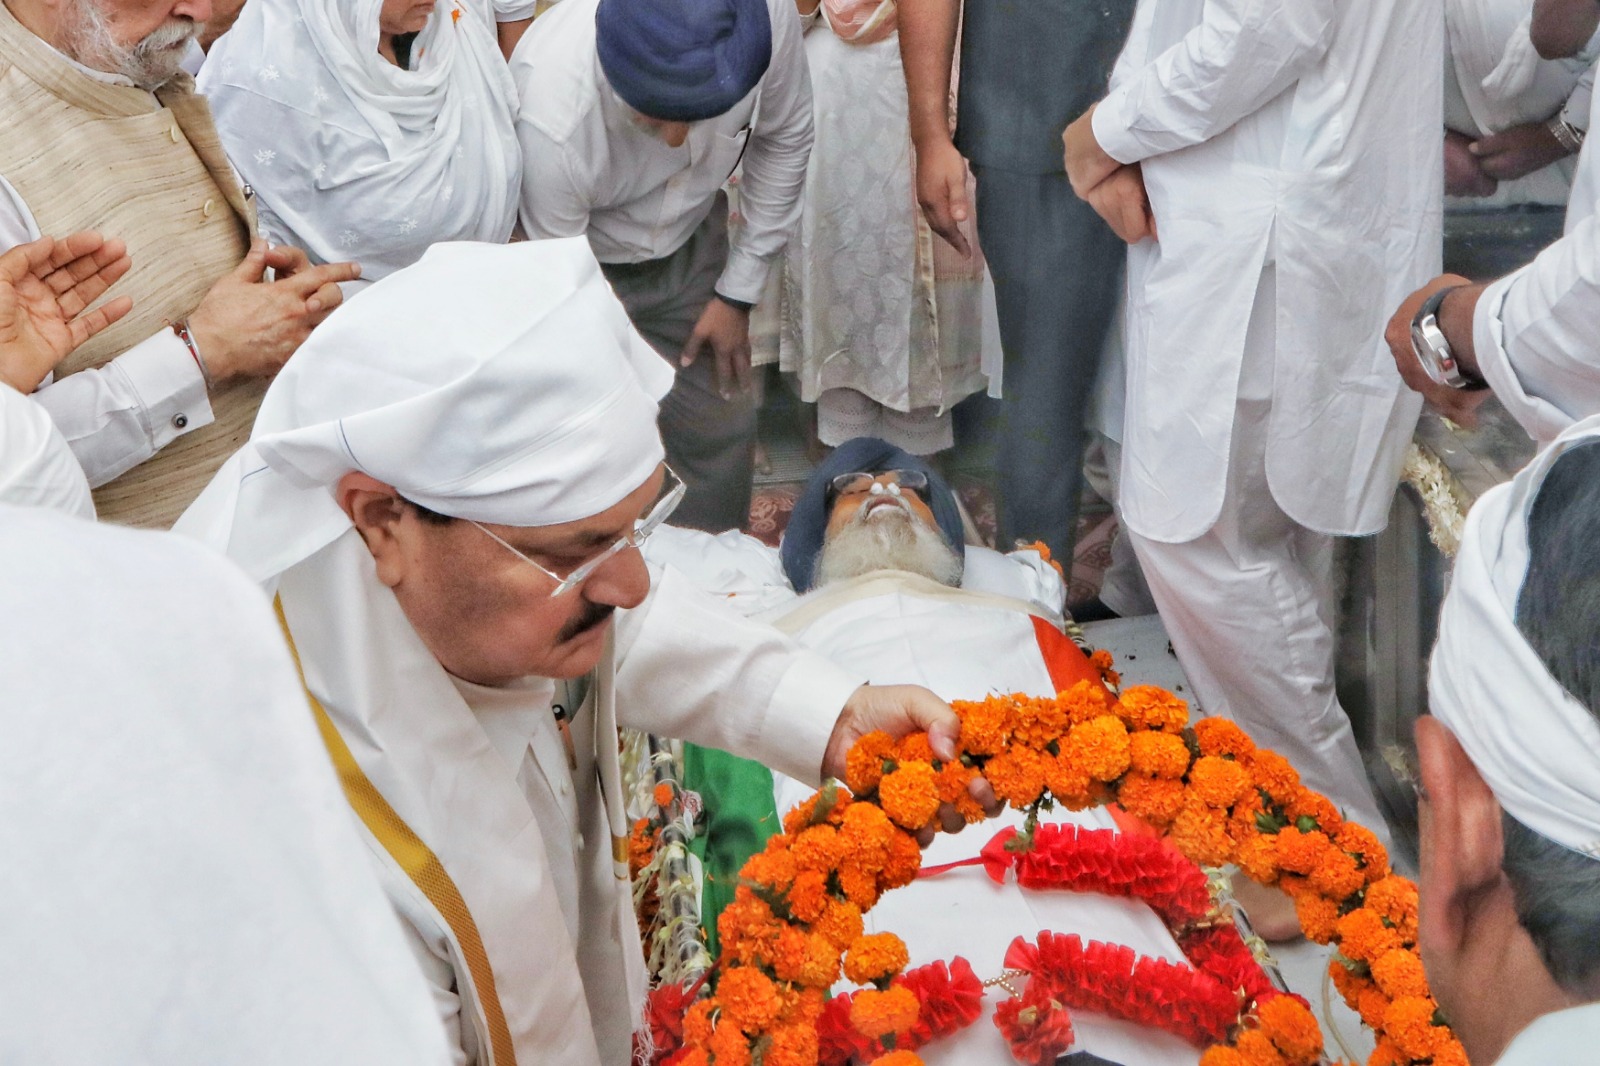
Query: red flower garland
x=949 y=1000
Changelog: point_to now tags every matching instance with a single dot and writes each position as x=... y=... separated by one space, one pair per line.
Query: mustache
x=593 y=616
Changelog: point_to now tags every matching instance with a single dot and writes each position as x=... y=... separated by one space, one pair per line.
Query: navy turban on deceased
x=683 y=60
x=802 y=540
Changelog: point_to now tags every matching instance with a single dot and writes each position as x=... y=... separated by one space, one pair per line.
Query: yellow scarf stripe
x=416 y=859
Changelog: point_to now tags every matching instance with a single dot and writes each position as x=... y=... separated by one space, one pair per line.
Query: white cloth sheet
x=588 y=168
x=187 y=883
x=36 y=467
x=352 y=157
x=1301 y=131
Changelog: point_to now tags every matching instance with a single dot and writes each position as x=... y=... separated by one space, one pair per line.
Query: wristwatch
x=1433 y=351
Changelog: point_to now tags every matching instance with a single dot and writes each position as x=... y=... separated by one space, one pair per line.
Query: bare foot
x=1270 y=910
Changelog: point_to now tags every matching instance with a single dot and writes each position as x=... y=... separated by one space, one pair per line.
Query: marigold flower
x=1448 y=1052
x=1308 y=804
x=1101 y=660
x=1222 y=1055
x=1274 y=775
x=662 y=793
x=878 y=1014
x=863 y=763
x=1222 y=736
x=774 y=868
x=821 y=969
x=1069 y=783
x=1319 y=916
x=641 y=846
x=1037 y=722
x=808 y=895
x=1158 y=754
x=746 y=918
x=697 y=1023
x=1386 y=1054
x=818 y=848
x=1364 y=845
x=1336 y=875
x=902 y=863
x=749 y=997
x=729 y=1046
x=1363 y=936
x=788 y=953
x=792 y=1045
x=985 y=726
x=1395 y=900
x=1218 y=782
x=1399 y=973
x=1301 y=852
x=1372 y=1005
x=1017 y=775
x=1257 y=1049
x=1085 y=701
x=1409 y=1023
x=1156 y=800
x=1292 y=1028
x=1201 y=833
x=1257 y=856
x=859 y=886
x=693 y=1056
x=865 y=837
x=954 y=777
x=910 y=795
x=914 y=747
x=837 y=801
x=840 y=923
x=875 y=956
x=1149 y=707
x=1100 y=747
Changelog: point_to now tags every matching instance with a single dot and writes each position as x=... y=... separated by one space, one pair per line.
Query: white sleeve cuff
x=1113 y=129
x=1542 y=420
x=803 y=712
x=168 y=384
x=744 y=277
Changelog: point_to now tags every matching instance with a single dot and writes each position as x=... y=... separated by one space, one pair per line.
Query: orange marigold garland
x=1221 y=799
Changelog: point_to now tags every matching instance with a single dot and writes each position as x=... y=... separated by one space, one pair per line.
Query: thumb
x=253 y=267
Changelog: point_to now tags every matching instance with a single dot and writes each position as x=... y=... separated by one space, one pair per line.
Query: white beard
x=149 y=64
x=888 y=536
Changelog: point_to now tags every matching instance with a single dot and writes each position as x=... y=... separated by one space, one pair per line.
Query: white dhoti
x=1248 y=605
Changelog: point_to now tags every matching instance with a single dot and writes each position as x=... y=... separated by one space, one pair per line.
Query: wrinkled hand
x=1463 y=174
x=942 y=192
x=726 y=329
x=1519 y=151
x=1087 y=163
x=900 y=710
x=1458 y=405
x=1121 y=200
x=45 y=286
x=247 y=326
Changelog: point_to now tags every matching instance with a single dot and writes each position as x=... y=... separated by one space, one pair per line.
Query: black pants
x=1057 y=272
x=710 y=441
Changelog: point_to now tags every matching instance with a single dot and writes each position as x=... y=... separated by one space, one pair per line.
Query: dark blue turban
x=683 y=60
x=802 y=540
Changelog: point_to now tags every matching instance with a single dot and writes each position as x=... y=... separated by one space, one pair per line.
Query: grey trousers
x=710 y=441
x=1057 y=272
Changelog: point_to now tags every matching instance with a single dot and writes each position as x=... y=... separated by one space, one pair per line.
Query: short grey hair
x=1557 y=890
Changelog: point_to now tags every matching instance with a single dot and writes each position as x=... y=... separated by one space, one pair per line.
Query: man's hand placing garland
x=900 y=710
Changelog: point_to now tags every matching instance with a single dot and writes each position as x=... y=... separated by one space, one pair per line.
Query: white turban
x=500 y=383
x=1536 y=746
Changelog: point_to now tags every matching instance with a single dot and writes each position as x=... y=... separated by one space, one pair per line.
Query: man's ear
x=376 y=510
x=1462 y=835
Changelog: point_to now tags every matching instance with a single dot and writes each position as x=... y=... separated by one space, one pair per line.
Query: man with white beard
x=105 y=132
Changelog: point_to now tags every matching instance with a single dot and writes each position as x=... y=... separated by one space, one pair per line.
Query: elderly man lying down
x=873 y=574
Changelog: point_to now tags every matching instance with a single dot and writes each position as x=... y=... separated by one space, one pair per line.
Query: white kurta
x=1564 y=1036
x=184 y=883
x=1534 y=331
x=526 y=835
x=36 y=466
x=1304 y=132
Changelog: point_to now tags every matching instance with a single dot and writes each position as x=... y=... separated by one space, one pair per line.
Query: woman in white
x=886 y=326
x=371 y=129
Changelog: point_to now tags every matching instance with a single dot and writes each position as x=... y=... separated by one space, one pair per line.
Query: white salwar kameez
x=885 y=326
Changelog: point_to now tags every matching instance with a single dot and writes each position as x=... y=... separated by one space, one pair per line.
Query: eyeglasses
x=861 y=481
x=672 y=490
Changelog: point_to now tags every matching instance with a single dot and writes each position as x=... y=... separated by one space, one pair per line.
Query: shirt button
x=580 y=841
x=180 y=421
x=565 y=788
x=176 y=136
x=210 y=206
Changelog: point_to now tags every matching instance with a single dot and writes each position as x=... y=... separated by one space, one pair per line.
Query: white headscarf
x=500 y=383
x=1536 y=746
x=354 y=158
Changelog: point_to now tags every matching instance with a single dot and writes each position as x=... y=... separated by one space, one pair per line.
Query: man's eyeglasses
x=861 y=481
x=672 y=490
